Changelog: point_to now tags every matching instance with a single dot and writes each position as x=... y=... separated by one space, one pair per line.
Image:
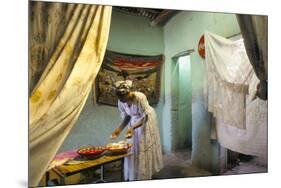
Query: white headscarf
x=123 y=86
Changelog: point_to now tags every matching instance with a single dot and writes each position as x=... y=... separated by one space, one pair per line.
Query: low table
x=66 y=170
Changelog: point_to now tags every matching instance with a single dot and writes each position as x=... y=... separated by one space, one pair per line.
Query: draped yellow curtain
x=61 y=92
x=47 y=24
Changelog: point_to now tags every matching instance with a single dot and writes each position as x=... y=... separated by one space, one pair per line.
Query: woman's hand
x=115 y=133
x=130 y=133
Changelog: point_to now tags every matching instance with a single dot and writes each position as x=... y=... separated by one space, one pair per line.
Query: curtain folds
x=240 y=122
x=74 y=48
x=47 y=24
x=228 y=72
x=255 y=34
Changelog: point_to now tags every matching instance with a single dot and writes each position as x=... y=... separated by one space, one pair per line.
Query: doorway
x=181 y=104
x=177 y=164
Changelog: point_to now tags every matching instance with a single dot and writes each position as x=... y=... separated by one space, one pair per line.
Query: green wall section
x=205 y=154
x=184 y=106
x=180 y=137
x=94 y=126
x=133 y=35
x=182 y=33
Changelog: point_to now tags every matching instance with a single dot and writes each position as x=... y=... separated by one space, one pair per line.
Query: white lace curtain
x=60 y=94
x=240 y=118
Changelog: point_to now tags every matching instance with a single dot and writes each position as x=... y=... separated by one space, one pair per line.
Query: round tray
x=91 y=152
x=118 y=151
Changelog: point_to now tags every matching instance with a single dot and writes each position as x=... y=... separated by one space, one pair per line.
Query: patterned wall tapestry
x=144 y=71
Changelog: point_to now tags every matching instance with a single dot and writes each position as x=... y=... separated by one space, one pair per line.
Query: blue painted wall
x=182 y=33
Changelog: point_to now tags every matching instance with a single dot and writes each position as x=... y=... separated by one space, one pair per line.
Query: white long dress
x=147 y=153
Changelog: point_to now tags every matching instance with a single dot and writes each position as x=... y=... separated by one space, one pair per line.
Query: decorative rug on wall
x=144 y=71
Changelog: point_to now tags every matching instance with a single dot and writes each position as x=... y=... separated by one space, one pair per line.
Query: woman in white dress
x=142 y=131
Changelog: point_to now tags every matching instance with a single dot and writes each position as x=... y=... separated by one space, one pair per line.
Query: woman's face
x=123 y=98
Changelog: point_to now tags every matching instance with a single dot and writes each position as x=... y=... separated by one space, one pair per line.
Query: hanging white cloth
x=240 y=121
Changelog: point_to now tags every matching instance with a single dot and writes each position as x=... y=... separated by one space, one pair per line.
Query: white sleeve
x=121 y=109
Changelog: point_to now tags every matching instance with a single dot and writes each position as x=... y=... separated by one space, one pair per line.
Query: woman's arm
x=130 y=131
x=124 y=123
x=140 y=122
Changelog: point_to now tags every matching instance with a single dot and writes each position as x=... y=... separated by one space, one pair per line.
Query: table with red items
x=66 y=170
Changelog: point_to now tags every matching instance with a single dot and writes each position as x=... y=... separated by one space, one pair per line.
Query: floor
x=178 y=165
x=246 y=166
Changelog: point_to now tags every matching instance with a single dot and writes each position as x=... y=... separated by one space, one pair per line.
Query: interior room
x=204 y=74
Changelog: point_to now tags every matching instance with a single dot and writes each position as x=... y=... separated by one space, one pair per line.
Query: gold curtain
x=61 y=92
x=47 y=24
